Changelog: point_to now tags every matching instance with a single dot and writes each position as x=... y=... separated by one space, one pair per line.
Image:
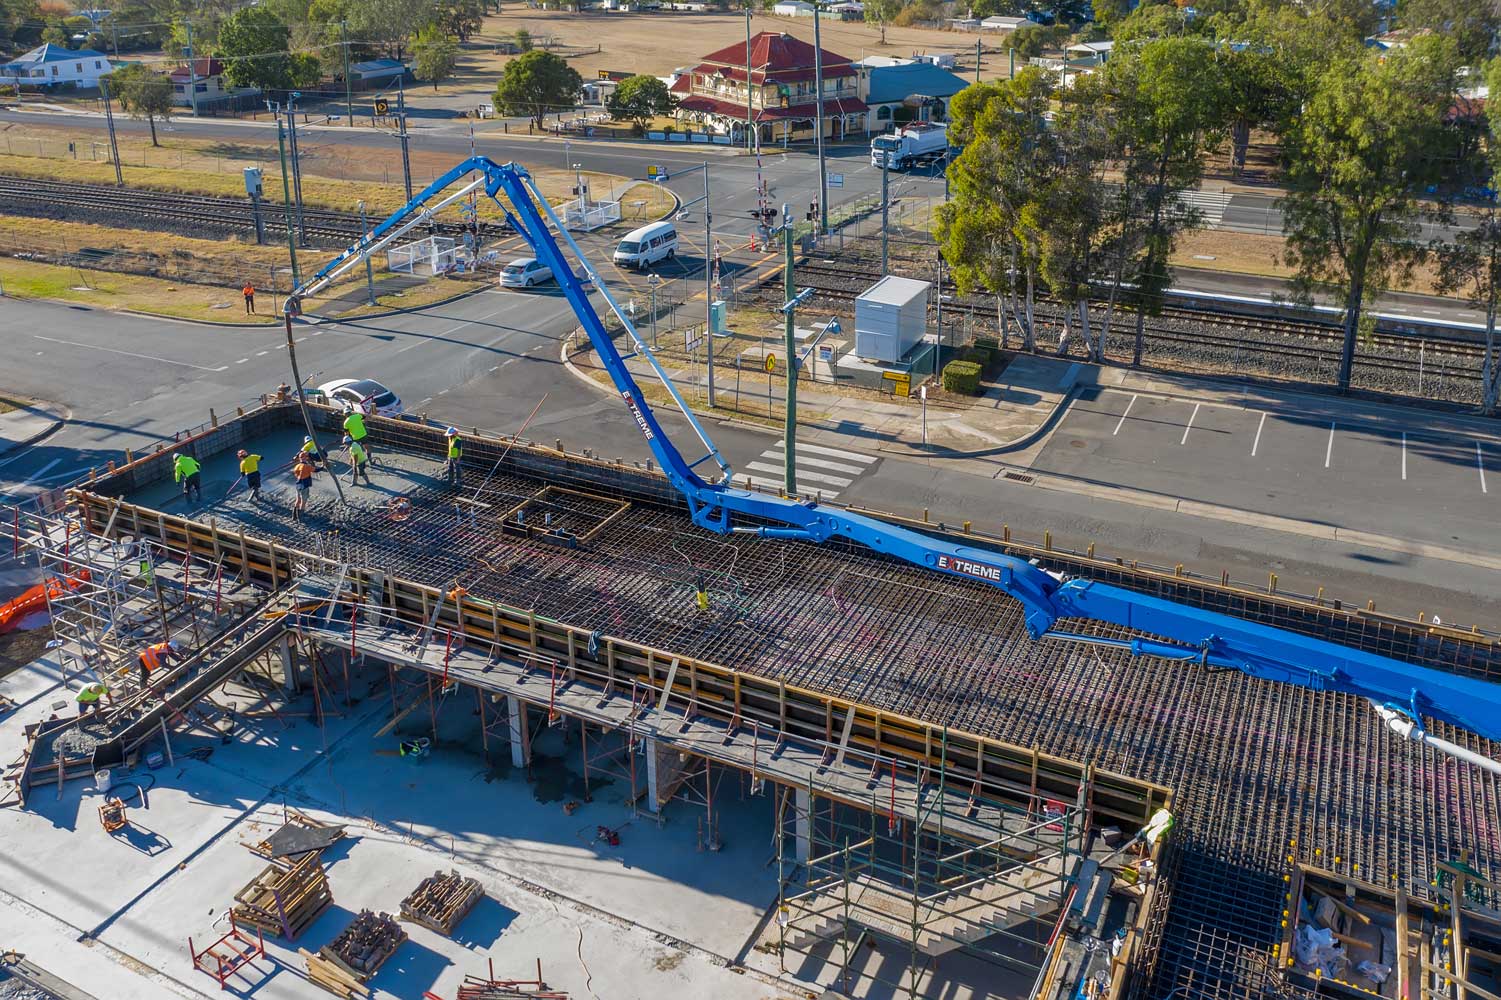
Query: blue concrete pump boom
x=1169 y=630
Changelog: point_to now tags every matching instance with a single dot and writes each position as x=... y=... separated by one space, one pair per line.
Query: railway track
x=215 y=215
x=840 y=281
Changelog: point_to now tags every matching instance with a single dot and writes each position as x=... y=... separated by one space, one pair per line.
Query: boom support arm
x=1171 y=631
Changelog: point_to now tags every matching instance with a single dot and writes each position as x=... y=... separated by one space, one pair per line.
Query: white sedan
x=363 y=394
x=524 y=273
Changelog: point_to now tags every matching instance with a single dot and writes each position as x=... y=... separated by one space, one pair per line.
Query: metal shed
x=891 y=317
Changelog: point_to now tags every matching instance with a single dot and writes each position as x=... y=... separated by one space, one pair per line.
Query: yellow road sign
x=382 y=107
x=771 y=362
x=901 y=382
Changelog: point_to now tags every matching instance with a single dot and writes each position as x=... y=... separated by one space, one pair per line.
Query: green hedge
x=962 y=377
x=979 y=355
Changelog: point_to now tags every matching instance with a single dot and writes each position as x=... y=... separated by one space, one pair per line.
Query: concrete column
x=653 y=799
x=290 y=682
x=802 y=809
x=521 y=753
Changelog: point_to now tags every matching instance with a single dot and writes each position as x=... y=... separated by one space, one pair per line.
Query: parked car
x=524 y=272
x=364 y=393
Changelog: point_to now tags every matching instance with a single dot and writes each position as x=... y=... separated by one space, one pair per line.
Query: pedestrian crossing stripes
x=1211 y=203
x=821 y=471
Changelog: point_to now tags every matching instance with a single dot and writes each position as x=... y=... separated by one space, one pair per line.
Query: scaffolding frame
x=927 y=887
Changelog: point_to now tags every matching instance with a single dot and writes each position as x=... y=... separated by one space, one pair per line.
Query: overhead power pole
x=789 y=292
x=109 y=118
x=823 y=173
x=708 y=286
x=348 y=93
x=977 y=60
x=885 y=205
x=750 y=117
x=286 y=193
x=192 y=72
x=296 y=168
x=401 y=122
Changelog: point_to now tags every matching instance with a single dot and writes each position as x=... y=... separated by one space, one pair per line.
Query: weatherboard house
x=783 y=95
x=50 y=65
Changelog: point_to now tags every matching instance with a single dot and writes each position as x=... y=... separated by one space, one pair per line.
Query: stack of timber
x=441 y=901
x=363 y=946
x=333 y=976
x=296 y=837
x=284 y=901
x=474 y=988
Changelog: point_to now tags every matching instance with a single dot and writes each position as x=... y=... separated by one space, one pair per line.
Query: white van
x=645 y=246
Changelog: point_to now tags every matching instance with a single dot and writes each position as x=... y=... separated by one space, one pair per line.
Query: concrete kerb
x=54 y=416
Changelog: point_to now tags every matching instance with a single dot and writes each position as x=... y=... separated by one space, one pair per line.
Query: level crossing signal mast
x=1402 y=692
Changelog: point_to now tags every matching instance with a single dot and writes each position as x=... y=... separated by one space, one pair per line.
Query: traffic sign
x=771 y=363
x=836 y=180
x=382 y=106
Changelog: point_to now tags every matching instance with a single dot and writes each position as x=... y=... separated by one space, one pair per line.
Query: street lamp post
x=369 y=273
x=708 y=273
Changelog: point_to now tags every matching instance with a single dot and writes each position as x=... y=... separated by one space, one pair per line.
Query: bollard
x=1047 y=540
x=1178 y=570
x=1224 y=578
x=1005 y=532
x=1370 y=605
x=1090 y=552
x=966 y=527
x=1271 y=583
x=925 y=515
x=558 y=444
x=1319 y=598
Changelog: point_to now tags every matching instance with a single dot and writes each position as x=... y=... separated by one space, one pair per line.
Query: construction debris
x=297 y=836
x=284 y=901
x=332 y=976
x=112 y=815
x=441 y=901
x=363 y=946
x=490 y=988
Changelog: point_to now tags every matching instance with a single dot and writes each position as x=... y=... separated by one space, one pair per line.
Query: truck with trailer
x=908 y=145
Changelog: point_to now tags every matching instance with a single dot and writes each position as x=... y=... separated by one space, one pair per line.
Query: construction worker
x=249 y=292
x=359 y=461
x=250 y=468
x=309 y=450
x=354 y=426
x=455 y=455
x=185 y=470
x=1159 y=826
x=302 y=473
x=89 y=695
x=157 y=654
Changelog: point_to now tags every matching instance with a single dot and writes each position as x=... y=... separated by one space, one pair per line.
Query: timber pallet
x=363 y=947
x=284 y=901
x=442 y=900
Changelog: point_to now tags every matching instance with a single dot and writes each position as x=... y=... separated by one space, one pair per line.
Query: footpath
x=29 y=423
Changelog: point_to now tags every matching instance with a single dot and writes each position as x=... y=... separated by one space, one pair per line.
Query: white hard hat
x=308 y=439
x=451 y=432
x=173 y=645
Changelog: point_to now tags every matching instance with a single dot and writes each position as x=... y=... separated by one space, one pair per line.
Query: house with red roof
x=782 y=90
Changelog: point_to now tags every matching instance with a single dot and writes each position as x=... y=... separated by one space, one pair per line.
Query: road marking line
x=1195 y=413
x=129 y=354
x=1126 y=414
x=242 y=361
x=777 y=484
x=261 y=354
x=816 y=477
x=34 y=477
x=853 y=456
x=1480 y=464
x=1329 y=449
x=776 y=455
x=1404 y=456
x=1257 y=443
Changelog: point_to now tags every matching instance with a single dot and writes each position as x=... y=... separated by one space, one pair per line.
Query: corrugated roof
x=50 y=53
x=894 y=83
x=894 y=290
x=773 y=51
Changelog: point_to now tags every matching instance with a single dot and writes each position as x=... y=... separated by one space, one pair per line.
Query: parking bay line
x=1404 y=456
x=1257 y=443
x=1329 y=449
x=1480 y=464
x=1127 y=413
x=1191 y=416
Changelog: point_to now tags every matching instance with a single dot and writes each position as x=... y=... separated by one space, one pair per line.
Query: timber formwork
x=834 y=644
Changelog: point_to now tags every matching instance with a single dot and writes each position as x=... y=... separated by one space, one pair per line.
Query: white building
x=1090 y=53
x=998 y=22
x=793 y=8
x=50 y=65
